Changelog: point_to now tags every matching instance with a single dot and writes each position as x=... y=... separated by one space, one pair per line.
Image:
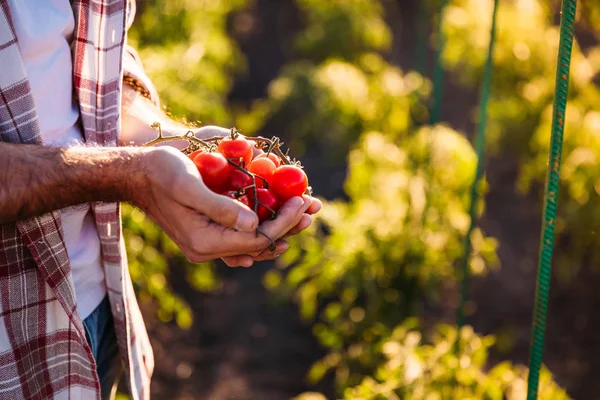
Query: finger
x=315 y=206
x=256 y=151
x=225 y=211
x=227 y=242
x=304 y=223
x=247 y=260
x=288 y=216
x=281 y=247
x=239 y=261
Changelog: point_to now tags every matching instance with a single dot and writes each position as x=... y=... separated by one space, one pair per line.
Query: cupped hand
x=247 y=260
x=203 y=224
x=306 y=220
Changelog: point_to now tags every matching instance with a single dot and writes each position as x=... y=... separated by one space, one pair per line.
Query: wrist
x=109 y=174
x=155 y=170
x=130 y=173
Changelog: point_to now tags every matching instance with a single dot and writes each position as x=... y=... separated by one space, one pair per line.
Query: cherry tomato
x=235 y=149
x=288 y=181
x=244 y=199
x=238 y=180
x=214 y=169
x=250 y=198
x=272 y=156
x=266 y=198
x=262 y=167
x=193 y=155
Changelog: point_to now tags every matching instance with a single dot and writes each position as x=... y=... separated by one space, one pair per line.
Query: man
x=69 y=320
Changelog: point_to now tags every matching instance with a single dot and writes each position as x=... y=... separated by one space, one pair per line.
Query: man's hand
x=247 y=260
x=139 y=113
x=203 y=224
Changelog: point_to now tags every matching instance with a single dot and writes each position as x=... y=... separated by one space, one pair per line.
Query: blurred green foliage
x=370 y=261
x=415 y=366
x=342 y=29
x=338 y=100
x=417 y=369
x=189 y=56
x=150 y=253
x=387 y=249
x=521 y=105
x=524 y=61
x=339 y=82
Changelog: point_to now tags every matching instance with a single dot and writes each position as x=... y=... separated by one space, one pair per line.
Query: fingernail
x=296 y=202
x=309 y=220
x=280 y=252
x=247 y=221
x=281 y=248
x=307 y=201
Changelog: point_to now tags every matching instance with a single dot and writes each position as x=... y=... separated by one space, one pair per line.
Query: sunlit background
x=363 y=306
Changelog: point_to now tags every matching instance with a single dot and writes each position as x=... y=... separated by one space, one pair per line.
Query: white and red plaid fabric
x=43 y=350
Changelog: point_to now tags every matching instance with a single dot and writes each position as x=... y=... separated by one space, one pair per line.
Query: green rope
x=438 y=70
x=479 y=149
x=551 y=196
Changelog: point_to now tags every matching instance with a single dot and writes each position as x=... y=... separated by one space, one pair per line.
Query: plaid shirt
x=43 y=350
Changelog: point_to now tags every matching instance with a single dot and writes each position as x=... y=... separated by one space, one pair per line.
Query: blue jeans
x=100 y=334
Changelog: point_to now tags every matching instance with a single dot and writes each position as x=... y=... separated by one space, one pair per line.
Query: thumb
x=227 y=212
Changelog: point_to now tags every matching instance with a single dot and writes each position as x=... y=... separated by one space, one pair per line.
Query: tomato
x=288 y=181
x=271 y=156
x=262 y=167
x=244 y=199
x=268 y=199
x=238 y=180
x=249 y=197
x=214 y=169
x=237 y=148
x=193 y=154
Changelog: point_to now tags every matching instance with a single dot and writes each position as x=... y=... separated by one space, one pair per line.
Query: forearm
x=37 y=179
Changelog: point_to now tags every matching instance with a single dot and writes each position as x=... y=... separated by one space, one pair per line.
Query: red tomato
x=238 y=180
x=214 y=169
x=193 y=154
x=246 y=201
x=272 y=156
x=268 y=199
x=262 y=167
x=235 y=149
x=242 y=199
x=250 y=198
x=288 y=181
